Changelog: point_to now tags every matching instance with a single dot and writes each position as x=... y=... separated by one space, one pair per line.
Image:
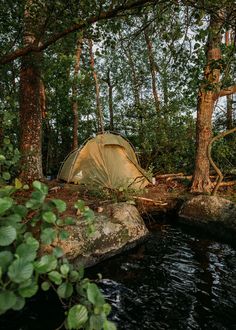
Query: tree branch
x=227 y=91
x=110 y=13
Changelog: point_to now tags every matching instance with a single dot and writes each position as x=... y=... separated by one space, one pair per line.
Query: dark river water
x=175 y=280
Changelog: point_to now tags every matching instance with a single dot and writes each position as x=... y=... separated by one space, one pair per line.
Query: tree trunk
x=97 y=88
x=110 y=100
x=152 y=69
x=206 y=101
x=30 y=112
x=75 y=93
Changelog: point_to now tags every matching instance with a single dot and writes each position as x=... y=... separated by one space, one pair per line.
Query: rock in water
x=118 y=228
x=215 y=214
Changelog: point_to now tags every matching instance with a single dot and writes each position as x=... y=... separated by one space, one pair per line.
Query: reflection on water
x=173 y=281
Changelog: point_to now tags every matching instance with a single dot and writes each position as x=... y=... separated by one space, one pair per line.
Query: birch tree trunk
x=97 y=88
x=152 y=69
x=75 y=92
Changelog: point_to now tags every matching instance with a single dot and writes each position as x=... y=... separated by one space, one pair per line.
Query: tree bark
x=206 y=101
x=75 y=93
x=30 y=112
x=152 y=69
x=97 y=88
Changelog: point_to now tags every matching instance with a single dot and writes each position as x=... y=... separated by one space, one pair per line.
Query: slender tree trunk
x=206 y=101
x=152 y=69
x=110 y=100
x=135 y=82
x=97 y=88
x=75 y=93
x=229 y=118
x=30 y=112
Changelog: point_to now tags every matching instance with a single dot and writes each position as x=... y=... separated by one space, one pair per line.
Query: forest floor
x=162 y=196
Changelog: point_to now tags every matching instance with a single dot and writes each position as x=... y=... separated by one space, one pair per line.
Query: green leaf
x=12 y=219
x=45 y=264
x=108 y=325
x=20 y=303
x=6 y=258
x=65 y=290
x=27 y=252
x=69 y=221
x=2 y=158
x=20 y=271
x=7 y=235
x=106 y=308
x=48 y=235
x=74 y=276
x=18 y=184
x=45 y=286
x=49 y=217
x=5 y=204
x=55 y=277
x=80 y=205
x=7 y=301
x=29 y=291
x=58 y=252
x=6 y=176
x=60 y=205
x=64 y=269
x=30 y=240
x=63 y=234
x=96 y=322
x=21 y=210
x=77 y=317
x=41 y=187
x=94 y=295
x=6 y=141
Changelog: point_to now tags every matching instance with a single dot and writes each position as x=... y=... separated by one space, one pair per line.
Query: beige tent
x=106 y=160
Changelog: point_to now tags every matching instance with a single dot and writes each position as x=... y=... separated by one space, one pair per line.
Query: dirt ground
x=154 y=197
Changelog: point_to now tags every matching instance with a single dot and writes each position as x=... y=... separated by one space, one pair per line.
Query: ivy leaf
x=94 y=295
x=65 y=290
x=5 y=204
x=7 y=235
x=45 y=264
x=7 y=301
x=60 y=205
x=48 y=235
x=49 y=217
x=77 y=317
x=69 y=221
x=19 y=270
x=96 y=321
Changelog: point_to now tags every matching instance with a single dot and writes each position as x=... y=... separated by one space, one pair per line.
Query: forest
x=162 y=73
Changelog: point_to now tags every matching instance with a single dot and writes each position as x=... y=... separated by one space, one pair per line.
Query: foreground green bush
x=24 y=228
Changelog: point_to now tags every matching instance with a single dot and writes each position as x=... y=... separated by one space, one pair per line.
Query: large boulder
x=215 y=214
x=116 y=229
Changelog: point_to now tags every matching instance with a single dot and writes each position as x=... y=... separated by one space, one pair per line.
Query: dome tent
x=107 y=160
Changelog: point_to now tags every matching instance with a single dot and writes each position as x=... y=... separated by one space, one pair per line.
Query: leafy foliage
x=23 y=270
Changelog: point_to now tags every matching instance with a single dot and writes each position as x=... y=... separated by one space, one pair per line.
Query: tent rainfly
x=106 y=160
